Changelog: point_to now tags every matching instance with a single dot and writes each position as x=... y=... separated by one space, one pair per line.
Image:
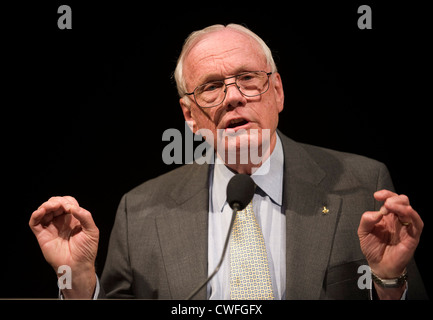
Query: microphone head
x=240 y=191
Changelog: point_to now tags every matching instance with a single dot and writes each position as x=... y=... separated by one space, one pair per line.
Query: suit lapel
x=309 y=227
x=183 y=233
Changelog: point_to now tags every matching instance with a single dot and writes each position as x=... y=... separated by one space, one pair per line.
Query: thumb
x=368 y=221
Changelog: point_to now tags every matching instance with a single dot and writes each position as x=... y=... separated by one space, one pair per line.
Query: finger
x=405 y=213
x=58 y=205
x=54 y=207
x=383 y=211
x=384 y=194
x=399 y=205
x=84 y=217
x=36 y=217
x=397 y=199
x=45 y=213
x=71 y=200
x=368 y=221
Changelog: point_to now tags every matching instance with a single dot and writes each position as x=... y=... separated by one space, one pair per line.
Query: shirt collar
x=269 y=178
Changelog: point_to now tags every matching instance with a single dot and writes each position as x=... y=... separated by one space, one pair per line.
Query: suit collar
x=269 y=180
x=299 y=164
x=268 y=177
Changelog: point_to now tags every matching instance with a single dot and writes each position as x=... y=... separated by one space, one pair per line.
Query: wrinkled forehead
x=221 y=54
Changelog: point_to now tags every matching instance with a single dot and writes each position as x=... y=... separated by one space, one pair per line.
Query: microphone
x=240 y=191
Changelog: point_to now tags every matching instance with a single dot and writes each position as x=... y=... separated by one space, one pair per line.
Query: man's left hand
x=389 y=237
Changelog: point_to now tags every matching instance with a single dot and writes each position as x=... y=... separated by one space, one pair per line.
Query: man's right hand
x=68 y=236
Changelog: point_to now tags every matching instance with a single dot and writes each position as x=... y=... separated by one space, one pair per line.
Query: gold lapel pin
x=325 y=210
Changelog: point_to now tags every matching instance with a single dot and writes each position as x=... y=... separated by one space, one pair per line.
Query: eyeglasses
x=249 y=84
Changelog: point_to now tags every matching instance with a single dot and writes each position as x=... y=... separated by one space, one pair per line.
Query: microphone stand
x=235 y=208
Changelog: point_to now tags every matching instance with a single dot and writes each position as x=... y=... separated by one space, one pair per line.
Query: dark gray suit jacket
x=159 y=242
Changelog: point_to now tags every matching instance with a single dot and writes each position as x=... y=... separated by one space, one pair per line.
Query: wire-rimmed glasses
x=213 y=93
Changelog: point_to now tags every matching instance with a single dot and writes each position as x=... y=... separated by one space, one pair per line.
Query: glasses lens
x=210 y=94
x=253 y=83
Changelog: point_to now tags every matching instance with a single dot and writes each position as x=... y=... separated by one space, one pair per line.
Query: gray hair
x=195 y=36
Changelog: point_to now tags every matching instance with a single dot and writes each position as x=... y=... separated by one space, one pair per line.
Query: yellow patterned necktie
x=249 y=268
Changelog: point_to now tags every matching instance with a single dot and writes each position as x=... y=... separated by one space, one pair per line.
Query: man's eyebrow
x=210 y=77
x=217 y=76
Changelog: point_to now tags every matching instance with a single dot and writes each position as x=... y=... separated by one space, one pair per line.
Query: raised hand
x=389 y=237
x=68 y=236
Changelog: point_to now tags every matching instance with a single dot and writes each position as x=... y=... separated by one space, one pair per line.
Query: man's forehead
x=223 y=52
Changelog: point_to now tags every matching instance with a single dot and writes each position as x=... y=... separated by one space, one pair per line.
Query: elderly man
x=316 y=216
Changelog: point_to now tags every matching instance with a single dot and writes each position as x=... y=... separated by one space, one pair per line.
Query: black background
x=83 y=110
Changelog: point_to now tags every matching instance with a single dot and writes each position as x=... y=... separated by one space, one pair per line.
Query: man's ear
x=279 y=92
x=186 y=109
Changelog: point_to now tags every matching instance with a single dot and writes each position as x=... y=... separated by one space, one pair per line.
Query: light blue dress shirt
x=267 y=206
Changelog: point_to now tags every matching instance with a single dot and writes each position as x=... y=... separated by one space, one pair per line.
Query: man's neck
x=250 y=167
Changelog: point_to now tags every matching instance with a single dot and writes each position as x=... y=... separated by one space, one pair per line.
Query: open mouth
x=236 y=123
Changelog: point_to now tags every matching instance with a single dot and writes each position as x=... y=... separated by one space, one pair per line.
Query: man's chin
x=244 y=146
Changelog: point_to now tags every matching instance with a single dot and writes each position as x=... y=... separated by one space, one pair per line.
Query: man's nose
x=234 y=97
